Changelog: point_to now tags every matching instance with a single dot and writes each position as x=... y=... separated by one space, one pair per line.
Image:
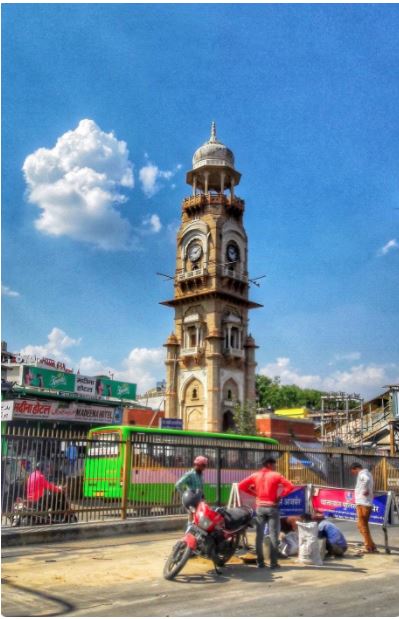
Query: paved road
x=123 y=577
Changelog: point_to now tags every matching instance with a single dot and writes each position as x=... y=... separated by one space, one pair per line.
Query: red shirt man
x=268 y=487
x=38 y=484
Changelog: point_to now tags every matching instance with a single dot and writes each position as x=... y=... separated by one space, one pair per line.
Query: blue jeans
x=271 y=515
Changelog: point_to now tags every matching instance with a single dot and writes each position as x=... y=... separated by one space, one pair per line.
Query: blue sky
x=118 y=97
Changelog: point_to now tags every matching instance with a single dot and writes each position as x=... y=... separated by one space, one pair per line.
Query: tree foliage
x=273 y=395
x=244 y=416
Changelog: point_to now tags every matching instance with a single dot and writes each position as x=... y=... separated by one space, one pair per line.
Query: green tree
x=244 y=416
x=273 y=395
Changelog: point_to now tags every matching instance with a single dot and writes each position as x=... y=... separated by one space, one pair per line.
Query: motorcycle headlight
x=204 y=522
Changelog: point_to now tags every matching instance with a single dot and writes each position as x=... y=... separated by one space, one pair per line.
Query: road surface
x=122 y=576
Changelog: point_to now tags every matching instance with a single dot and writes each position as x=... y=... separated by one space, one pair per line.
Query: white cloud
x=367 y=379
x=6 y=291
x=57 y=342
x=76 y=186
x=153 y=223
x=348 y=356
x=151 y=177
x=143 y=366
x=289 y=375
x=392 y=244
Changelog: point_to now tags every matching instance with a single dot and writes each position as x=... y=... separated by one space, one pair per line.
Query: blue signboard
x=172 y=424
x=117 y=419
x=294 y=503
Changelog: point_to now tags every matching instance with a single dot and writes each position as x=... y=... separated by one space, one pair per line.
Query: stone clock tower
x=210 y=363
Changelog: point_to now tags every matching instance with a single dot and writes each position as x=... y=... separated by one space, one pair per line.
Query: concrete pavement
x=122 y=576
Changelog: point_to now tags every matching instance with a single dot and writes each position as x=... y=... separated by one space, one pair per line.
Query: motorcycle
x=26 y=513
x=213 y=534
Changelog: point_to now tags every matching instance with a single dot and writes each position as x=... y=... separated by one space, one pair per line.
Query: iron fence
x=110 y=479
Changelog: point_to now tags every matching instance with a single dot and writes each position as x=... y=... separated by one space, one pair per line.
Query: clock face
x=195 y=252
x=232 y=253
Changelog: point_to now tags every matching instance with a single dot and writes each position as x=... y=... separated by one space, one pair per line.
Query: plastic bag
x=309 y=552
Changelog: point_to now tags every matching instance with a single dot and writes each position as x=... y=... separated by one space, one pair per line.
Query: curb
x=62 y=533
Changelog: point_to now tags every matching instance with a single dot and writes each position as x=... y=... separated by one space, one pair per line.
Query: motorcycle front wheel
x=176 y=560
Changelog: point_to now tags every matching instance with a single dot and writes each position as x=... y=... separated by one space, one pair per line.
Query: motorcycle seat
x=236 y=517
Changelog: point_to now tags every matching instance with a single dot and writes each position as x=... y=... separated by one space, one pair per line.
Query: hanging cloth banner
x=293 y=504
x=340 y=503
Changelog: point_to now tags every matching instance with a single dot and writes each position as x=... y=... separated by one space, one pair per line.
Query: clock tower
x=210 y=361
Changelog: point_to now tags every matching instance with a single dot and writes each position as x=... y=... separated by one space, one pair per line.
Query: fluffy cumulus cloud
x=143 y=366
x=367 y=379
x=57 y=343
x=77 y=183
x=152 y=224
x=6 y=291
x=391 y=245
x=152 y=178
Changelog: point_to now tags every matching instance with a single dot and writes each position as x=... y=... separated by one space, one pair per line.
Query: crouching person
x=336 y=544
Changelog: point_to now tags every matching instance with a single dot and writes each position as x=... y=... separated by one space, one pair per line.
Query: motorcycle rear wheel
x=176 y=560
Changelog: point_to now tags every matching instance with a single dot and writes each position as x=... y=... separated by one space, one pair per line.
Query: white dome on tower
x=213 y=153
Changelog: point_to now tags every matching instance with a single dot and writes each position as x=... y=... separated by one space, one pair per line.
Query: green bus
x=145 y=463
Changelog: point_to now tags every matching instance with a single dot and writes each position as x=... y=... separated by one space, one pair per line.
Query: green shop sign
x=48 y=379
x=114 y=389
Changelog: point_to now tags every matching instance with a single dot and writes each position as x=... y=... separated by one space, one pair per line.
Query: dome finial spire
x=213 y=132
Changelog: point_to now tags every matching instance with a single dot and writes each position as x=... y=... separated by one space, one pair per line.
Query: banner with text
x=340 y=503
x=293 y=504
x=85 y=385
x=115 y=389
x=60 y=411
x=48 y=379
x=42 y=378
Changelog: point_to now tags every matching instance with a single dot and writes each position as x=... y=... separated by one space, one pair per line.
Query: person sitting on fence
x=336 y=544
x=40 y=491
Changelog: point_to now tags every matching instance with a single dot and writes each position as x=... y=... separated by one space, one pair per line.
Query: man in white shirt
x=364 y=495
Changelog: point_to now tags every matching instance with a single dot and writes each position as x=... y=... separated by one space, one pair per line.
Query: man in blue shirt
x=193 y=480
x=335 y=541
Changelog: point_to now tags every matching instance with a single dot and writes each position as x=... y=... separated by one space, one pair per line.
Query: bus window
x=104 y=444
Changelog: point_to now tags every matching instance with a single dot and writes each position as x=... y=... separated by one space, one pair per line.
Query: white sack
x=309 y=552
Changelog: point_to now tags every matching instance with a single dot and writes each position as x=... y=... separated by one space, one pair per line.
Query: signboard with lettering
x=85 y=385
x=48 y=379
x=293 y=504
x=101 y=387
x=171 y=423
x=115 y=389
x=7 y=408
x=63 y=411
x=340 y=503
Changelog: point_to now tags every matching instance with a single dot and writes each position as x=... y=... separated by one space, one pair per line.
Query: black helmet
x=39 y=466
x=191 y=499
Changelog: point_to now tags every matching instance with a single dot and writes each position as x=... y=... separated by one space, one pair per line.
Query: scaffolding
x=341 y=419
